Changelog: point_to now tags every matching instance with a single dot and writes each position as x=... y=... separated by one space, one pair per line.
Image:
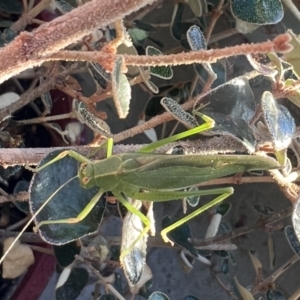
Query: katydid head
x=86 y=175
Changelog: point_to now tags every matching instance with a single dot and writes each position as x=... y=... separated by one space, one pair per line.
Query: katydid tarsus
x=154 y=177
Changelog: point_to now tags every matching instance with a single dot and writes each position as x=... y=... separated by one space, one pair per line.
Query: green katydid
x=153 y=177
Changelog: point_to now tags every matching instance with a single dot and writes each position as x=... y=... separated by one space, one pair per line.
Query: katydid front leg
x=77 y=219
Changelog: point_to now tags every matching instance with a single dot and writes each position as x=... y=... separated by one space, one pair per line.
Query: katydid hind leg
x=217 y=200
x=209 y=123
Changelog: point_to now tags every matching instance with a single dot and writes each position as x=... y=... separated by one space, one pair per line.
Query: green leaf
x=225 y=266
x=294 y=96
x=85 y=117
x=264 y=210
x=121 y=89
x=223 y=209
x=107 y=297
x=68 y=202
x=144 y=26
x=196 y=7
x=65 y=254
x=181 y=235
x=246 y=295
x=279 y=121
x=293 y=56
x=176 y=27
x=180 y=114
x=260 y=12
x=274 y=295
x=193 y=200
x=164 y=72
x=63 y=6
x=190 y=297
x=158 y=296
x=137 y=35
x=196 y=38
x=11 y=6
x=76 y=281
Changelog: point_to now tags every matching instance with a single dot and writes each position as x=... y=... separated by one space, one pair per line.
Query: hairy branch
x=29 y=49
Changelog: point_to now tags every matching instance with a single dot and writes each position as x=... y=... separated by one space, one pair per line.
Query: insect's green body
x=133 y=173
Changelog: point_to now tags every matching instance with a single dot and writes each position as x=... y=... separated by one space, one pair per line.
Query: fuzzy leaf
x=258 y=11
x=292 y=237
x=68 y=202
x=11 y=7
x=279 y=121
x=196 y=7
x=163 y=72
x=293 y=56
x=121 y=89
x=76 y=281
x=158 y=296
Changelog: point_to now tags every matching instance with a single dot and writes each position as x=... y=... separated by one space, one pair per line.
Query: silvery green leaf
x=144 y=26
x=190 y=297
x=131 y=50
x=258 y=11
x=181 y=235
x=46 y=99
x=85 y=117
x=150 y=133
x=98 y=78
x=176 y=24
x=264 y=210
x=63 y=6
x=256 y=263
x=295 y=96
x=22 y=186
x=58 y=129
x=137 y=35
x=235 y=127
x=8 y=98
x=164 y=72
x=279 y=121
x=238 y=96
x=275 y=295
x=181 y=115
x=293 y=56
x=245 y=294
x=292 y=238
x=213 y=226
x=218 y=68
x=259 y=63
x=224 y=266
x=245 y=27
x=196 y=7
x=11 y=7
x=223 y=208
x=100 y=70
x=196 y=39
x=121 y=89
x=134 y=261
x=193 y=200
x=158 y=296
x=71 y=288
x=149 y=84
